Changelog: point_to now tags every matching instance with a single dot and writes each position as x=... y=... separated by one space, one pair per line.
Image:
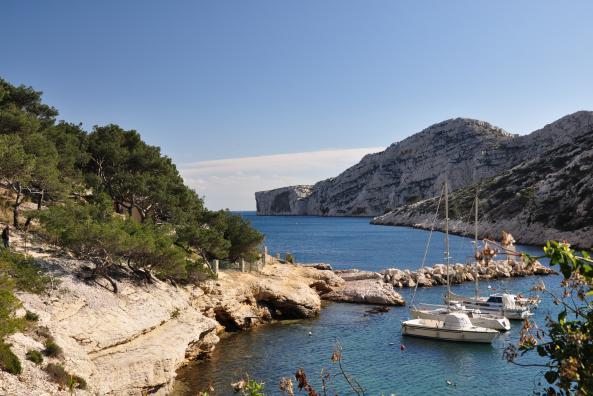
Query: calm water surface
x=371 y=343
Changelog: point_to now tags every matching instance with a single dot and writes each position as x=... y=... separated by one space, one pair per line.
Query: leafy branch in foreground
x=567 y=341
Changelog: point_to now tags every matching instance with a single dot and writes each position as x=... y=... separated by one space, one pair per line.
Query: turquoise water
x=371 y=343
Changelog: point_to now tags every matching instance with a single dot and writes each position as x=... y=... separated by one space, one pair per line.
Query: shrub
x=175 y=313
x=31 y=316
x=9 y=362
x=60 y=376
x=34 y=356
x=289 y=258
x=27 y=275
x=8 y=304
x=52 y=349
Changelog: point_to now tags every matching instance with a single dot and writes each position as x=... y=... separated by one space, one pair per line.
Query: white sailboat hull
x=433 y=329
x=515 y=314
x=478 y=320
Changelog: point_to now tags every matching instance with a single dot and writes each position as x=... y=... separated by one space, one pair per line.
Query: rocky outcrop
x=364 y=287
x=283 y=201
x=459 y=273
x=463 y=150
x=133 y=342
x=281 y=291
x=545 y=197
x=122 y=344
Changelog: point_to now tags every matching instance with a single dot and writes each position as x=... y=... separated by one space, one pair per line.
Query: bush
x=31 y=316
x=27 y=275
x=52 y=349
x=289 y=258
x=9 y=362
x=8 y=304
x=34 y=356
x=175 y=313
x=60 y=376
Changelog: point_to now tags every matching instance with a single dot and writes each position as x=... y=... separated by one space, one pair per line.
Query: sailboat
x=493 y=320
x=496 y=304
x=450 y=325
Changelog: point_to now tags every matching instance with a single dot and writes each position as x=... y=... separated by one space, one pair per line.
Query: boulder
x=366 y=291
x=354 y=274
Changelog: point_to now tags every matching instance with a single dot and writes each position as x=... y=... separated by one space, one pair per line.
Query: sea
x=374 y=353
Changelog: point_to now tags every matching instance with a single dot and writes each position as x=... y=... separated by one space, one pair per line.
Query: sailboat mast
x=447 y=241
x=476 y=243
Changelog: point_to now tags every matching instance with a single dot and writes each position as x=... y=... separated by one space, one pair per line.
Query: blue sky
x=320 y=81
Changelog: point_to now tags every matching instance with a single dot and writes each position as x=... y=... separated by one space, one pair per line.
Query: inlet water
x=370 y=343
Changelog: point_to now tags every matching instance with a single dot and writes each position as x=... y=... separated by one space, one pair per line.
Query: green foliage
x=52 y=349
x=59 y=375
x=244 y=239
x=9 y=362
x=21 y=110
x=27 y=275
x=253 y=388
x=8 y=304
x=94 y=233
x=567 y=342
x=45 y=162
x=34 y=356
x=31 y=316
x=289 y=258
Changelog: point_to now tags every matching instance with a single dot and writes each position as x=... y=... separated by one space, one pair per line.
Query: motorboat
x=455 y=326
x=496 y=304
x=476 y=317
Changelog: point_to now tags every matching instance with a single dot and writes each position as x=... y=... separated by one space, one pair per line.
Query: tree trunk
x=40 y=196
x=17 y=206
x=40 y=199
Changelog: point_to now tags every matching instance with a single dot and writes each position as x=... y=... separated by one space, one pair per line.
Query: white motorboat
x=456 y=326
x=496 y=304
x=476 y=317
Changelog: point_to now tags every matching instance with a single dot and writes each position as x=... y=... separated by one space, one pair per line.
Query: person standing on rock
x=6 y=236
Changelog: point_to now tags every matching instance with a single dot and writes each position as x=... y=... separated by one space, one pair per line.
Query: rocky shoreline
x=133 y=342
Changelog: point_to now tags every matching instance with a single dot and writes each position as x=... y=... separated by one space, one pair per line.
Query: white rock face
x=283 y=201
x=133 y=342
x=125 y=343
x=549 y=196
x=462 y=149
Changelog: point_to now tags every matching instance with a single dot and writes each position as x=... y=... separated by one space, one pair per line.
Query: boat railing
x=432 y=305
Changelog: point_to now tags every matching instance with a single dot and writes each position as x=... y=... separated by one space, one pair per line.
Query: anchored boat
x=497 y=304
x=451 y=323
x=456 y=326
x=476 y=317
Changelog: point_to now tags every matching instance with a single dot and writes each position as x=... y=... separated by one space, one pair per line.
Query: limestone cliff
x=549 y=196
x=129 y=343
x=462 y=149
x=133 y=342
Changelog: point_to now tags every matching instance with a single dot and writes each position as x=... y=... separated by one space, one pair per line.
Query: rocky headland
x=543 y=198
x=536 y=186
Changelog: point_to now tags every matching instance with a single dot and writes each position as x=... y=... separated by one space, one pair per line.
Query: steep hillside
x=463 y=149
x=547 y=197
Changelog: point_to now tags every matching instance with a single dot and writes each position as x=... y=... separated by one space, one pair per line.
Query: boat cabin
x=457 y=321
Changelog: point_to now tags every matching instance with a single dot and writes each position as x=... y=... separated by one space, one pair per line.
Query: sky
x=252 y=95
